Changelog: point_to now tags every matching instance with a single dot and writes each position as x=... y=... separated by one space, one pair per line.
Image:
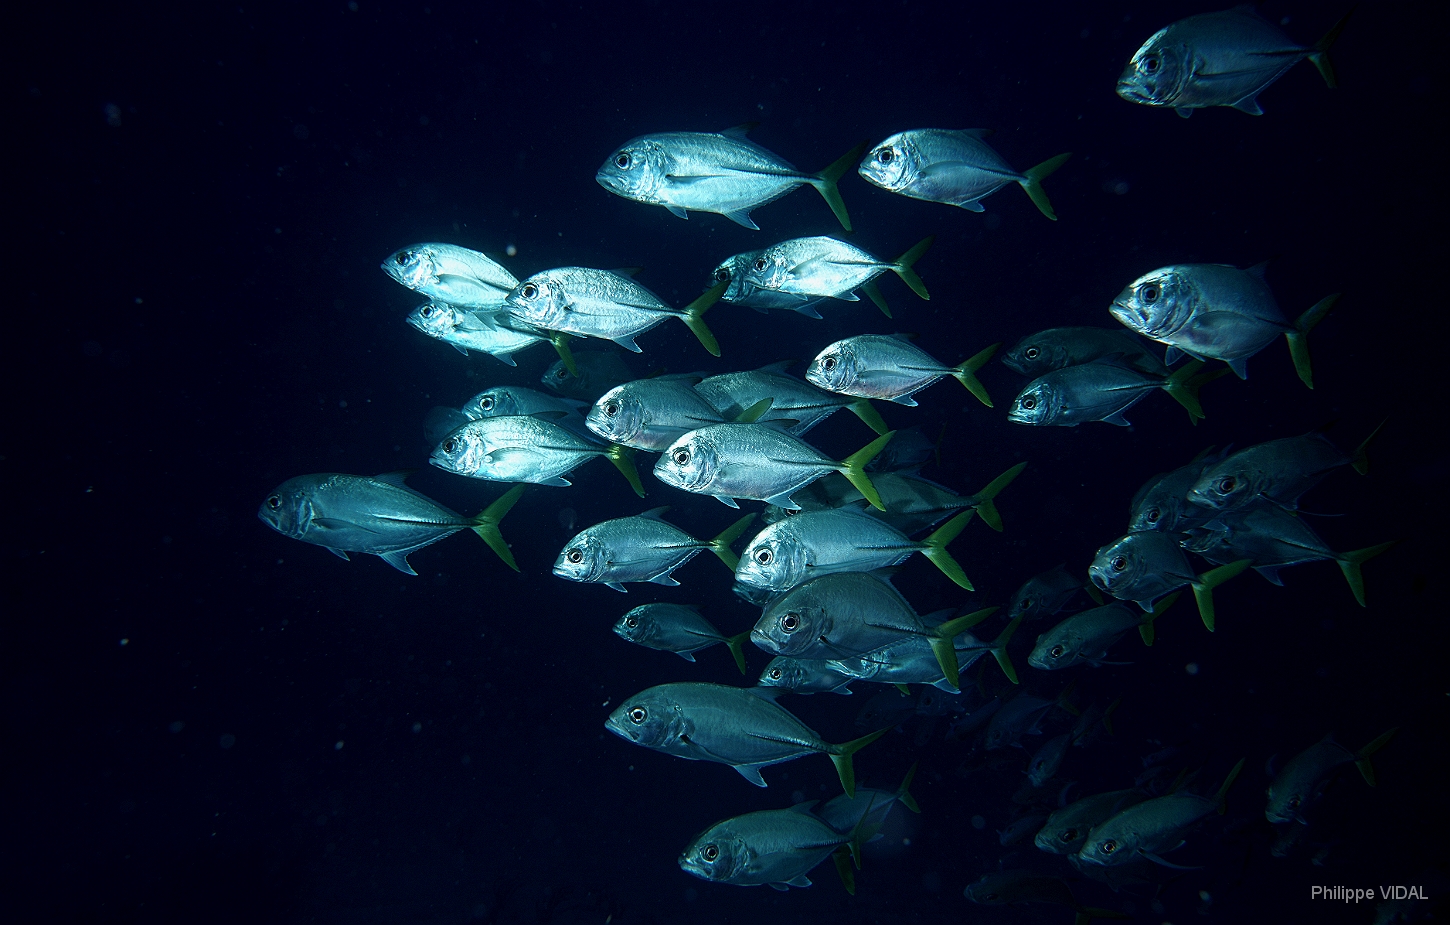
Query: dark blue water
x=210 y=722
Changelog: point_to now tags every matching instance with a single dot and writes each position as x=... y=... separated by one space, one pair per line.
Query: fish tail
x=1108 y=716
x=486 y=525
x=694 y=316
x=1064 y=699
x=755 y=412
x=943 y=643
x=1221 y=797
x=902 y=266
x=1145 y=629
x=853 y=467
x=966 y=372
x=903 y=793
x=936 y=549
x=999 y=650
x=842 y=858
x=841 y=758
x=985 y=502
x=1094 y=593
x=1298 y=337
x=867 y=412
x=1203 y=587
x=1349 y=563
x=1361 y=757
x=1320 y=54
x=735 y=645
x=825 y=182
x=1032 y=182
x=720 y=545
x=1360 y=459
x=1183 y=384
x=560 y=340
x=873 y=292
x=623 y=459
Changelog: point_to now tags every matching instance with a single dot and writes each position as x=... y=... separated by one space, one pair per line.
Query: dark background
x=209 y=722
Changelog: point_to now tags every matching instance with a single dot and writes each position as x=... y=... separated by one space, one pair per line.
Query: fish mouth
x=690 y=866
x=1129 y=90
x=1130 y=317
x=624 y=733
x=764 y=641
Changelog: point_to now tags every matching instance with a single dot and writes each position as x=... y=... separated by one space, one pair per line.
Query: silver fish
x=722 y=172
x=1163 y=504
x=788 y=552
x=595 y=372
x=1143 y=567
x=1057 y=348
x=639 y=548
x=1101 y=391
x=378 y=515
x=1087 y=636
x=836 y=616
x=451 y=274
x=1276 y=472
x=1067 y=829
x=676 y=628
x=1218 y=59
x=603 y=304
x=1301 y=782
x=736 y=726
x=912 y=502
x=890 y=368
x=805 y=676
x=1215 y=311
x=1044 y=594
x=917 y=658
x=827 y=267
x=524 y=448
x=650 y=414
x=954 y=166
x=733 y=272
x=795 y=404
x=757 y=462
x=473 y=329
x=777 y=847
x=509 y=400
x=1148 y=829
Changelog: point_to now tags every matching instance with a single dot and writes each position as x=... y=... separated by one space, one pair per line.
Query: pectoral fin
x=398 y=560
x=751 y=772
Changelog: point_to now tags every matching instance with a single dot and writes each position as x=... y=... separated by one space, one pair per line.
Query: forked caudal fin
x=853 y=467
x=1349 y=563
x=1032 y=183
x=943 y=644
x=1360 y=459
x=1221 y=797
x=486 y=525
x=1184 y=384
x=1361 y=757
x=720 y=545
x=867 y=412
x=623 y=459
x=902 y=266
x=1320 y=54
x=735 y=645
x=841 y=757
x=936 y=549
x=1145 y=629
x=966 y=373
x=560 y=340
x=1298 y=337
x=825 y=182
x=693 y=316
x=985 y=502
x=1203 y=587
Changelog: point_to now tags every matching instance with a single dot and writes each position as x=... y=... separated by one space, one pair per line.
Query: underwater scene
x=874 y=463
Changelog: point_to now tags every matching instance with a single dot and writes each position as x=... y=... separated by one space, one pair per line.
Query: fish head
x=637 y=171
x=1108 y=845
x=1286 y=800
x=1156 y=304
x=691 y=463
x=634 y=626
x=1126 y=564
x=1158 y=511
x=414 y=267
x=1054 y=649
x=716 y=855
x=836 y=368
x=791 y=626
x=1061 y=839
x=1032 y=357
x=584 y=558
x=892 y=165
x=541 y=300
x=783 y=672
x=733 y=271
x=618 y=415
x=649 y=719
x=491 y=403
x=770 y=269
x=463 y=451
x=436 y=319
x=1228 y=486
x=772 y=560
x=288 y=509
x=1158 y=72
x=1039 y=403
x=558 y=377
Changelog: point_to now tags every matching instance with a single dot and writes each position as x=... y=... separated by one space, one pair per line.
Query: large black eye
x=1029 y=403
x=631 y=622
x=790 y=622
x=1119 y=563
x=681 y=456
x=721 y=275
x=622 y=160
x=611 y=408
x=1057 y=651
x=562 y=374
x=638 y=715
x=763 y=557
x=1227 y=484
x=274 y=502
x=1150 y=293
x=1153 y=515
x=574 y=555
x=427 y=311
x=486 y=403
x=828 y=364
x=775 y=674
x=1068 y=835
x=403 y=257
x=1109 y=846
x=709 y=852
x=1294 y=802
x=449 y=444
x=760 y=264
x=1030 y=353
x=529 y=291
x=885 y=155
x=1151 y=64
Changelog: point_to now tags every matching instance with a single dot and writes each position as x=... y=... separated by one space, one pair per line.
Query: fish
x=757 y=462
x=795 y=405
x=377 y=515
x=1057 y=348
x=1006 y=887
x=1045 y=762
x=805 y=676
x=1143 y=567
x=640 y=548
x=721 y=172
x=595 y=372
x=1102 y=391
x=890 y=367
x=1067 y=828
x=788 y=552
x=952 y=166
x=733 y=271
x=1301 y=782
x=912 y=502
x=908 y=451
x=472 y=329
x=603 y=304
x=735 y=726
x=650 y=414
x=451 y=274
x=1273 y=538
x=1087 y=636
x=1095 y=720
x=1219 y=312
x=1163 y=504
x=1149 y=829
x=676 y=628
x=1218 y=59
x=1277 y=472
x=511 y=400
x=917 y=658
x=1044 y=594
x=1022 y=715
x=869 y=808
x=1020 y=830
x=777 y=847
x=525 y=448
x=826 y=267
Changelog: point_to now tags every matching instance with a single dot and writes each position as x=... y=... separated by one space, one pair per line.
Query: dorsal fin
x=395 y=478
x=739 y=131
x=656 y=513
x=1258 y=270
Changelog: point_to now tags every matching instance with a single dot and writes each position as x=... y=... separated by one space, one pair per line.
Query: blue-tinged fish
x=954 y=166
x=1218 y=59
x=1212 y=311
x=825 y=267
x=890 y=367
x=1302 y=781
x=473 y=329
x=777 y=847
x=740 y=727
x=1066 y=830
x=805 y=676
x=1276 y=472
x=1020 y=830
x=734 y=270
x=1273 y=538
x=525 y=448
x=917 y=658
x=908 y=451
x=795 y=405
x=595 y=372
x=1102 y=391
x=650 y=414
x=1163 y=504
x=1045 y=594
x=451 y=274
x=1086 y=637
x=676 y=628
x=639 y=548
x=1142 y=567
x=1008 y=887
x=512 y=400
x=721 y=172
x=868 y=810
x=1152 y=828
x=377 y=515
x=1023 y=715
x=836 y=616
x=1057 y=348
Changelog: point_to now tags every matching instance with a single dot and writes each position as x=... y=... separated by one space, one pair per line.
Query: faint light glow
x=1191 y=668
x=511 y=250
x=227 y=740
x=979 y=822
x=125 y=641
x=113 y=115
x=337 y=746
x=417 y=727
x=177 y=726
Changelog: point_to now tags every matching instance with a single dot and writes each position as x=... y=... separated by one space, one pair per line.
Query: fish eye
x=760 y=264
x=828 y=364
x=681 y=456
x=638 y=715
x=1026 y=604
x=775 y=674
x=722 y=274
x=1029 y=403
x=1109 y=846
x=709 y=852
x=1057 y=651
x=1153 y=515
x=1227 y=484
x=427 y=311
x=790 y=622
x=1068 y=835
x=1031 y=353
x=1150 y=292
x=403 y=257
x=486 y=403
x=885 y=155
x=1119 y=563
x=611 y=408
x=562 y=374
x=631 y=622
x=763 y=557
x=449 y=444
x=1151 y=64
x=274 y=502
x=623 y=161
x=529 y=291
x=574 y=555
